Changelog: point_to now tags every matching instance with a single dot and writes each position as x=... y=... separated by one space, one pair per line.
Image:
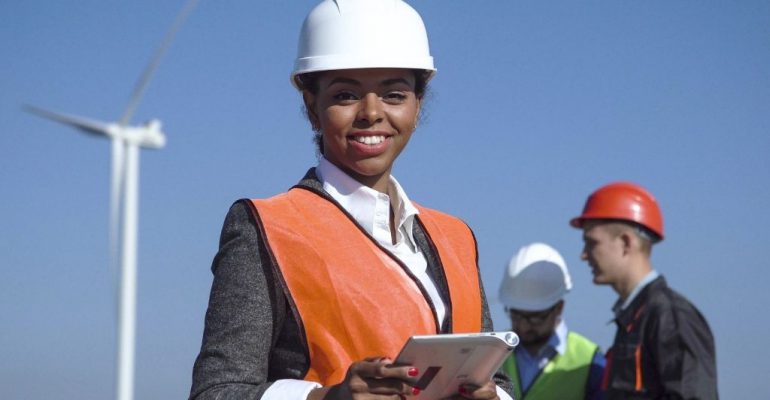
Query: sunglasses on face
x=533 y=318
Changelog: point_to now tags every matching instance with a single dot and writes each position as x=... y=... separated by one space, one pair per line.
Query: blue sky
x=535 y=105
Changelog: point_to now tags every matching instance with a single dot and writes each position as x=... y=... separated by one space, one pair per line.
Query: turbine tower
x=124 y=199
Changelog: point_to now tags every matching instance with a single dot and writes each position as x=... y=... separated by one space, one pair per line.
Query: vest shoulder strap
x=456 y=248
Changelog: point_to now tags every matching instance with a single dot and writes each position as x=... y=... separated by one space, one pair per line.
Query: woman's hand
x=372 y=378
x=488 y=391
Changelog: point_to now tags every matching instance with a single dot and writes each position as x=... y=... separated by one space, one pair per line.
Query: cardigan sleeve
x=245 y=307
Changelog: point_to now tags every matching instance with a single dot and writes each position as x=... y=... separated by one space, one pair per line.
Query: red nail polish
x=412 y=371
x=415 y=391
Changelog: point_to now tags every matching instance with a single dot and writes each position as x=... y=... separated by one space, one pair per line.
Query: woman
x=316 y=290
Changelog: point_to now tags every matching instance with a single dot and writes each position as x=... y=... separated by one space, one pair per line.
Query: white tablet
x=447 y=361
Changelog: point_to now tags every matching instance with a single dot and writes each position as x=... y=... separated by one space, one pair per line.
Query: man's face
x=534 y=328
x=603 y=250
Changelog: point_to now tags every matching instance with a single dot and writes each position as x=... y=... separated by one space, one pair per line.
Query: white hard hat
x=536 y=278
x=348 y=34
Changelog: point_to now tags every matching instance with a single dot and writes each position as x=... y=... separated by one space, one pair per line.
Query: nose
x=584 y=254
x=521 y=324
x=371 y=108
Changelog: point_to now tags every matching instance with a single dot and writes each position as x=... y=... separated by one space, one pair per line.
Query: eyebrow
x=350 y=81
x=342 y=79
x=393 y=81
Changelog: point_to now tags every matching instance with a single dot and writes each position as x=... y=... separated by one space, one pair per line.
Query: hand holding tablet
x=447 y=361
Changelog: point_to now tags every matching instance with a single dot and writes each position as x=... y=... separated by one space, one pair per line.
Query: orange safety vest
x=352 y=298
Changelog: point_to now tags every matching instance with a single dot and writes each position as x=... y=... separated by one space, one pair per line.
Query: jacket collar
x=311 y=181
x=628 y=314
x=622 y=304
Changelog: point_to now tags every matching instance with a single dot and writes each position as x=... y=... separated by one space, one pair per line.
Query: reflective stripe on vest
x=565 y=377
x=353 y=299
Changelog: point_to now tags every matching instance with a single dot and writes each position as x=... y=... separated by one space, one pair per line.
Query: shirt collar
x=621 y=304
x=559 y=339
x=367 y=205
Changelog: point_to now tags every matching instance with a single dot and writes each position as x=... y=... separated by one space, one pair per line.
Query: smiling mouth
x=368 y=140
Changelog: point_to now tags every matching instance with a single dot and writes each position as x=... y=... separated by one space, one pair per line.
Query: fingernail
x=412 y=371
x=415 y=391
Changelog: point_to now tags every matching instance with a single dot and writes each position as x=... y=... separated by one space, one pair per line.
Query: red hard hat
x=624 y=201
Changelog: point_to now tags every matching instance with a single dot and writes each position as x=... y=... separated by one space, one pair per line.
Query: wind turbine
x=124 y=196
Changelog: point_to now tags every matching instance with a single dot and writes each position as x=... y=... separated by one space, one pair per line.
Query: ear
x=417 y=114
x=559 y=307
x=558 y=311
x=628 y=241
x=312 y=115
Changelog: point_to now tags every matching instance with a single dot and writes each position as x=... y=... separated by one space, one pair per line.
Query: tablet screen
x=447 y=361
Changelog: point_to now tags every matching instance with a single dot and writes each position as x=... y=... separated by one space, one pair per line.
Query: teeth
x=370 y=140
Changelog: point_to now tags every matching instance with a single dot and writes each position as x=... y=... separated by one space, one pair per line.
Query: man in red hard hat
x=663 y=347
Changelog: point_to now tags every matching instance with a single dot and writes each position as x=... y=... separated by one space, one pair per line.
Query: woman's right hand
x=372 y=378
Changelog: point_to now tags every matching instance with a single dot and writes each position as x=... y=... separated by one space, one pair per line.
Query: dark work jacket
x=663 y=349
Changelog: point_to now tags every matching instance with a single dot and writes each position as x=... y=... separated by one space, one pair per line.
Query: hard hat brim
x=305 y=66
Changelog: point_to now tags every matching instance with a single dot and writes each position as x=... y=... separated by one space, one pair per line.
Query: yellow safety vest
x=565 y=377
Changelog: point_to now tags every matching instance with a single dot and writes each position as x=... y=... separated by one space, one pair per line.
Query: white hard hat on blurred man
x=535 y=280
x=552 y=361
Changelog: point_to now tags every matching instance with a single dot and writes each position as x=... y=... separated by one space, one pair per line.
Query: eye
x=345 y=96
x=394 y=97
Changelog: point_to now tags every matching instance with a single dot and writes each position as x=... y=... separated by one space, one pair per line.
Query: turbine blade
x=144 y=79
x=84 y=124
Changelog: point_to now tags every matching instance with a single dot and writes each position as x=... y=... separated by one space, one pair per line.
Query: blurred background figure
x=551 y=362
x=663 y=346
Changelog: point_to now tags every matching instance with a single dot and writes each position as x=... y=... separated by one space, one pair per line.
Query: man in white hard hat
x=550 y=362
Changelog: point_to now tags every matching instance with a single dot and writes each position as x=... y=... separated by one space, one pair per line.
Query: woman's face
x=366 y=117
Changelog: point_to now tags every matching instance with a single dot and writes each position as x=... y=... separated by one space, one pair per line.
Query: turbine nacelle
x=147 y=135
